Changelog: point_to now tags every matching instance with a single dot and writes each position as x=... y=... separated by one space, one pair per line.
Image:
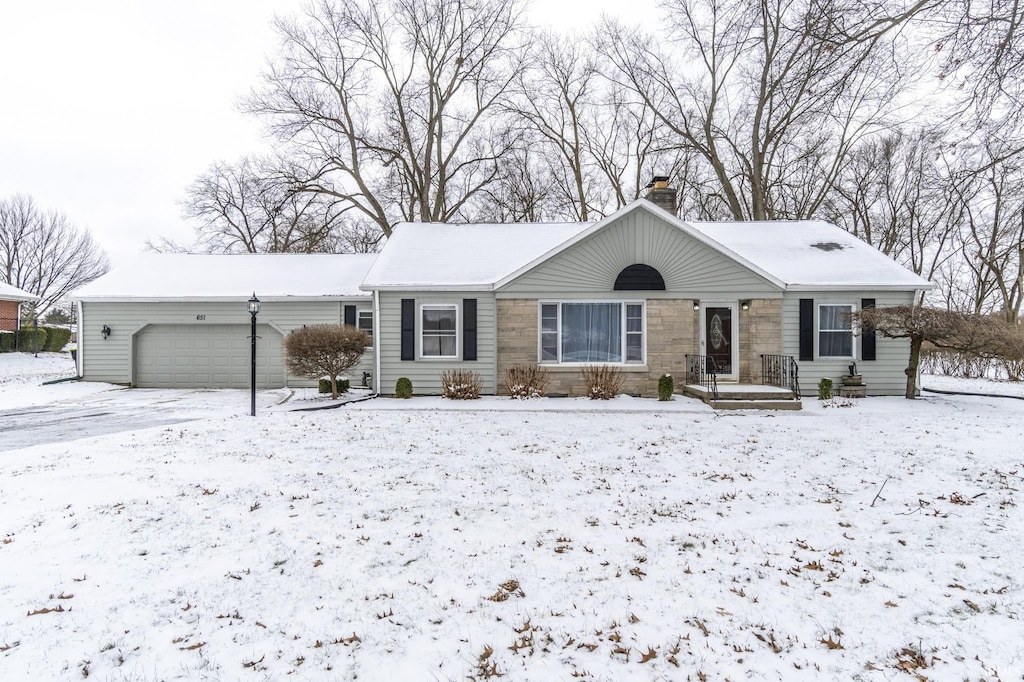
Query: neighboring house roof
x=12 y=293
x=175 y=276
x=462 y=256
x=795 y=255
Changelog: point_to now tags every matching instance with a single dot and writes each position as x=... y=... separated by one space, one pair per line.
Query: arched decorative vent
x=639 y=277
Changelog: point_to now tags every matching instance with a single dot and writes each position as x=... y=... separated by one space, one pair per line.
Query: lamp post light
x=254 y=310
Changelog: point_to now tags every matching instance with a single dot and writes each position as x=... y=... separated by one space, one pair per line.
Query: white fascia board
x=469 y=286
x=860 y=287
x=218 y=299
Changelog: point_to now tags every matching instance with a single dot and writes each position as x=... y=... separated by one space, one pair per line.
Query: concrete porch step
x=744 y=396
x=755 y=404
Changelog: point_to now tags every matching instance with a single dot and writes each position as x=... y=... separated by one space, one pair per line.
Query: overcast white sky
x=111 y=108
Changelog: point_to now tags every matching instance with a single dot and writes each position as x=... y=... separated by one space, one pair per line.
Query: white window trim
x=818 y=330
x=438 y=306
x=622 y=333
x=359 y=314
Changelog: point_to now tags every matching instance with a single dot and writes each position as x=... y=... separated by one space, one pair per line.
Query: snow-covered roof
x=9 y=292
x=810 y=254
x=462 y=256
x=796 y=255
x=176 y=276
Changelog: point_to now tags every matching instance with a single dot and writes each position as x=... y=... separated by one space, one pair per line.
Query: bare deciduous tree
x=897 y=193
x=249 y=207
x=393 y=106
x=43 y=253
x=979 y=335
x=775 y=92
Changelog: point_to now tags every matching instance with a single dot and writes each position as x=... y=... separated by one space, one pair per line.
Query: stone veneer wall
x=672 y=332
x=760 y=334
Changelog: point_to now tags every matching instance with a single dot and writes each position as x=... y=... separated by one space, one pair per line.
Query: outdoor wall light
x=745 y=305
x=696 y=304
x=105 y=331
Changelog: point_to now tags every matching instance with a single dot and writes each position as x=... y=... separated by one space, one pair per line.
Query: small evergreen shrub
x=524 y=381
x=6 y=342
x=603 y=382
x=403 y=388
x=460 y=384
x=27 y=342
x=325 y=386
x=666 y=386
x=825 y=389
x=56 y=339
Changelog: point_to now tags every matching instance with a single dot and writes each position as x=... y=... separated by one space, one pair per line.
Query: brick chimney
x=660 y=194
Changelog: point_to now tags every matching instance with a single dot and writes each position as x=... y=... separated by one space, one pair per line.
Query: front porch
x=780 y=392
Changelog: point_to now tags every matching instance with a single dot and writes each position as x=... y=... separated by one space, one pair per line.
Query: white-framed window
x=439 y=336
x=588 y=332
x=835 y=330
x=364 y=321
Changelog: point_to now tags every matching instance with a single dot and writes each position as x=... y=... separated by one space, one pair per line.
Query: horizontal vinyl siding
x=883 y=376
x=425 y=374
x=111 y=360
x=688 y=266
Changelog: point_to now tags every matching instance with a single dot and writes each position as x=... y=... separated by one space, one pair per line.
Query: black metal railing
x=703 y=371
x=781 y=371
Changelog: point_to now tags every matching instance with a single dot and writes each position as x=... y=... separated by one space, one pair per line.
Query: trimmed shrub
x=403 y=388
x=603 y=382
x=324 y=386
x=320 y=350
x=460 y=384
x=27 y=342
x=825 y=389
x=524 y=381
x=666 y=386
x=57 y=338
x=6 y=341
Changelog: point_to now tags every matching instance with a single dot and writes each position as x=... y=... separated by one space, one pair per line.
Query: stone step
x=733 y=404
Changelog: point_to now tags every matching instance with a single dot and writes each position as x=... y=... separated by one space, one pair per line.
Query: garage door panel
x=207 y=356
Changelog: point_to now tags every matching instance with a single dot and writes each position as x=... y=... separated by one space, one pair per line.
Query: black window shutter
x=807 y=329
x=350 y=315
x=867 y=337
x=408 y=329
x=469 y=329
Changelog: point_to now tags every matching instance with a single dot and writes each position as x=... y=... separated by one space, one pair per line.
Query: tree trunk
x=916 y=341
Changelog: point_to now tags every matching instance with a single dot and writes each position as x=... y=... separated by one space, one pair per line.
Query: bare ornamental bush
x=523 y=382
x=603 y=382
x=460 y=384
x=324 y=350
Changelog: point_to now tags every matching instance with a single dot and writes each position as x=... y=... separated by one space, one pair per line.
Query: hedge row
x=49 y=339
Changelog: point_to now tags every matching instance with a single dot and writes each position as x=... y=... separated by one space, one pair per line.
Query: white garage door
x=207 y=356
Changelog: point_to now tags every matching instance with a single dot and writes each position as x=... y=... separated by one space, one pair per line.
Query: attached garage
x=207 y=356
x=182 y=320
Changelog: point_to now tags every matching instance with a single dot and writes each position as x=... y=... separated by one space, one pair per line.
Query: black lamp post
x=254 y=310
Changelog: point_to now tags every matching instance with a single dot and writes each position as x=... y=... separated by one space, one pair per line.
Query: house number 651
x=200 y=317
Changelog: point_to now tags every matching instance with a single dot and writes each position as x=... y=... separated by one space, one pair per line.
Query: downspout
x=79 y=338
x=379 y=328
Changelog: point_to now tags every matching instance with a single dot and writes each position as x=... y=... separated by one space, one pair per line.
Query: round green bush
x=665 y=387
x=403 y=388
x=825 y=389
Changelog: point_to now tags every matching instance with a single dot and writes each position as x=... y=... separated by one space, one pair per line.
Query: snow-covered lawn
x=876 y=540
